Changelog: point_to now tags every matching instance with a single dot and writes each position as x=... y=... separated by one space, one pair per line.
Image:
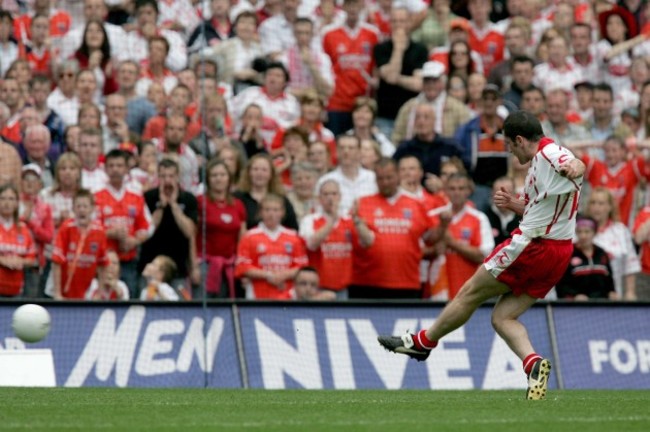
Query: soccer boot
x=403 y=345
x=538 y=380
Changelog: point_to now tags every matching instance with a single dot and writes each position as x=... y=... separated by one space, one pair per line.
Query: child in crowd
x=159 y=273
x=109 y=286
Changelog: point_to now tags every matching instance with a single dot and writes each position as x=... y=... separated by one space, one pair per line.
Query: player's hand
x=502 y=199
x=572 y=169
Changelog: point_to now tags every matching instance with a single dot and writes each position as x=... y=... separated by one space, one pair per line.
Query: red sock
x=529 y=361
x=422 y=342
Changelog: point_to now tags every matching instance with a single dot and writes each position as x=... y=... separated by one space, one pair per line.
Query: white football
x=31 y=323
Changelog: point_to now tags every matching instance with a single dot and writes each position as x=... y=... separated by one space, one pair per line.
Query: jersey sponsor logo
x=108 y=210
x=261 y=248
x=131 y=211
x=288 y=247
x=365 y=47
x=20 y=238
x=94 y=247
x=226 y=218
x=465 y=233
x=341 y=48
x=379 y=212
x=407 y=213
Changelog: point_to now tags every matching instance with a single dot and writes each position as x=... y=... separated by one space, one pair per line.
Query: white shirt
x=307 y=230
x=143 y=84
x=8 y=54
x=180 y=11
x=177 y=57
x=122 y=290
x=616 y=240
x=551 y=199
x=94 y=180
x=66 y=108
x=165 y=292
x=548 y=77
x=351 y=189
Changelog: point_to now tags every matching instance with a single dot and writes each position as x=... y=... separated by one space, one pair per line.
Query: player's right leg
x=480 y=287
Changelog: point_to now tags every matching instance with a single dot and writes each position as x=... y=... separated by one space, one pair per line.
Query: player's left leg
x=505 y=321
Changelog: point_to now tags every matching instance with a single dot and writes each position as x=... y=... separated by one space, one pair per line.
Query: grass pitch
x=87 y=409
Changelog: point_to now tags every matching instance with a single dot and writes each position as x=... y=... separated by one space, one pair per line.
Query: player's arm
x=572 y=169
x=504 y=200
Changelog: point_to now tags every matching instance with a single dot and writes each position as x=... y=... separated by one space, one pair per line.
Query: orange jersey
x=472 y=228
x=352 y=63
x=60 y=23
x=260 y=249
x=642 y=218
x=393 y=260
x=489 y=43
x=333 y=258
x=125 y=208
x=620 y=180
x=80 y=252
x=15 y=240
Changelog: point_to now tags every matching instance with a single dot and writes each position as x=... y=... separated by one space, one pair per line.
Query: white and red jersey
x=548 y=77
x=551 y=199
x=273 y=251
x=180 y=11
x=590 y=70
x=616 y=239
x=176 y=59
x=123 y=208
x=15 y=240
x=94 y=180
x=351 y=53
x=333 y=258
x=80 y=251
x=279 y=112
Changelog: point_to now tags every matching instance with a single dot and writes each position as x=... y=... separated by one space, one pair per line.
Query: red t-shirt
x=122 y=209
x=258 y=250
x=81 y=253
x=393 y=260
x=223 y=224
x=155 y=128
x=490 y=44
x=641 y=218
x=15 y=240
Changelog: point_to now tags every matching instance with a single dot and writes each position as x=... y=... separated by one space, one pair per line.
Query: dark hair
x=278 y=65
x=522 y=59
x=306 y=269
x=523 y=123
x=12 y=187
x=84 y=193
x=298 y=131
x=6 y=14
x=167 y=162
x=39 y=79
x=604 y=87
x=471 y=67
x=348 y=136
x=160 y=39
x=582 y=25
x=303 y=20
x=117 y=154
x=534 y=89
x=142 y=3
x=212 y=163
x=84 y=50
x=384 y=161
x=246 y=14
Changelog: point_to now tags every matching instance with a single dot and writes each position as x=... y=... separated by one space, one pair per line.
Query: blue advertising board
x=336 y=348
x=603 y=347
x=137 y=346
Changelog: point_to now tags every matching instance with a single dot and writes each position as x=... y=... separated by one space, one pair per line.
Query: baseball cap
x=491 y=89
x=33 y=168
x=433 y=69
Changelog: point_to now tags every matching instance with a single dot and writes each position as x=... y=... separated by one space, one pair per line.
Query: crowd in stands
x=310 y=149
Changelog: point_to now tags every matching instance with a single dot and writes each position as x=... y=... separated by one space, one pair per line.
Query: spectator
x=139 y=109
x=40 y=87
x=159 y=273
x=521 y=79
x=370 y=154
x=213 y=136
x=556 y=126
x=483 y=37
x=94 y=54
x=79 y=249
x=17 y=249
x=503 y=221
x=306 y=286
x=328 y=237
x=399 y=63
x=63 y=99
x=235 y=161
x=629 y=97
x=319 y=157
x=237 y=54
x=126 y=218
x=309 y=68
x=36 y=146
x=11 y=165
x=303 y=179
x=223 y=217
x=37 y=216
x=433 y=30
x=615 y=238
x=589 y=275
x=428 y=146
x=582 y=58
x=174 y=217
x=86 y=88
x=411 y=175
x=364 y=115
x=311 y=119
x=250 y=135
x=449 y=112
x=71 y=138
x=603 y=123
x=177 y=104
x=108 y=286
x=280 y=109
x=516 y=42
x=468 y=238
x=116 y=131
x=276 y=33
x=352 y=66
x=557 y=72
x=270 y=255
x=93 y=176
x=459 y=29
x=354 y=180
x=95 y=10
x=21 y=72
x=388 y=224
x=211 y=31
x=534 y=101
x=176 y=148
x=156 y=70
x=39 y=52
x=8 y=47
x=259 y=180
x=11 y=95
x=146 y=14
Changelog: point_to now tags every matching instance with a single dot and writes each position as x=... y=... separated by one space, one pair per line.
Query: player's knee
x=497 y=322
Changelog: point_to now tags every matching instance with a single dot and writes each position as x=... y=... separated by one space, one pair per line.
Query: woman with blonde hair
x=258 y=180
x=615 y=238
